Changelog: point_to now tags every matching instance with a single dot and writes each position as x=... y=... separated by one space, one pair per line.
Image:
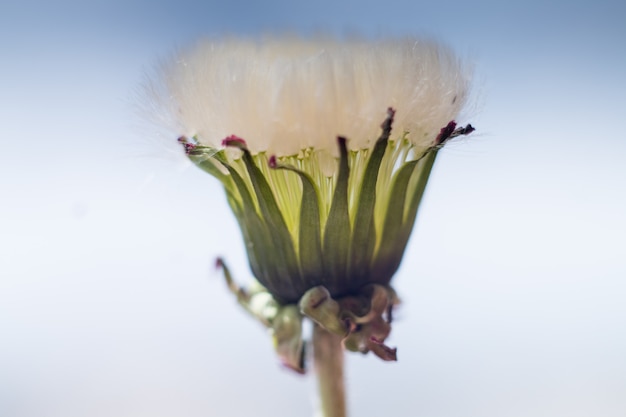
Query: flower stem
x=328 y=355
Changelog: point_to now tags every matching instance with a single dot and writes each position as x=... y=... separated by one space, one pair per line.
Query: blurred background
x=513 y=283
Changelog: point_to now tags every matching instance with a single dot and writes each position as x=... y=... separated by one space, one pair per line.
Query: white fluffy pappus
x=283 y=95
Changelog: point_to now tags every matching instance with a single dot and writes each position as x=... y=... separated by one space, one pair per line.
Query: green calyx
x=362 y=320
x=306 y=226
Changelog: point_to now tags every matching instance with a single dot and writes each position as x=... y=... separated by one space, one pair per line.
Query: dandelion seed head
x=284 y=95
x=325 y=195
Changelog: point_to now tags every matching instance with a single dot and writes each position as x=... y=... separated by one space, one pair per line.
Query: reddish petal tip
x=383 y=351
x=272 y=162
x=386 y=124
x=296 y=369
x=468 y=129
x=234 y=140
x=445 y=132
x=219 y=263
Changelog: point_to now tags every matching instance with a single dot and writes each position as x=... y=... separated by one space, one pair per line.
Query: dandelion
x=325 y=195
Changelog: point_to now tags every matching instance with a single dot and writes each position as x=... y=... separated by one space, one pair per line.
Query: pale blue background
x=514 y=282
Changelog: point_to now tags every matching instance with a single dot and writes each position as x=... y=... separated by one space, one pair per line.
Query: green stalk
x=328 y=356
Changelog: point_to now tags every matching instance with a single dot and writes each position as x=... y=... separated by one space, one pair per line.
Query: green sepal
x=280 y=241
x=207 y=160
x=424 y=167
x=359 y=319
x=309 y=237
x=255 y=234
x=364 y=231
x=241 y=202
x=400 y=217
x=391 y=239
x=210 y=161
x=337 y=230
x=318 y=305
x=287 y=336
x=284 y=321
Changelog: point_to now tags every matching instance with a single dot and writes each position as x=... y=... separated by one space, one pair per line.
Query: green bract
x=303 y=228
x=324 y=245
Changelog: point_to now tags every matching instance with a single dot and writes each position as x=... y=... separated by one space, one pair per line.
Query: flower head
x=325 y=195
